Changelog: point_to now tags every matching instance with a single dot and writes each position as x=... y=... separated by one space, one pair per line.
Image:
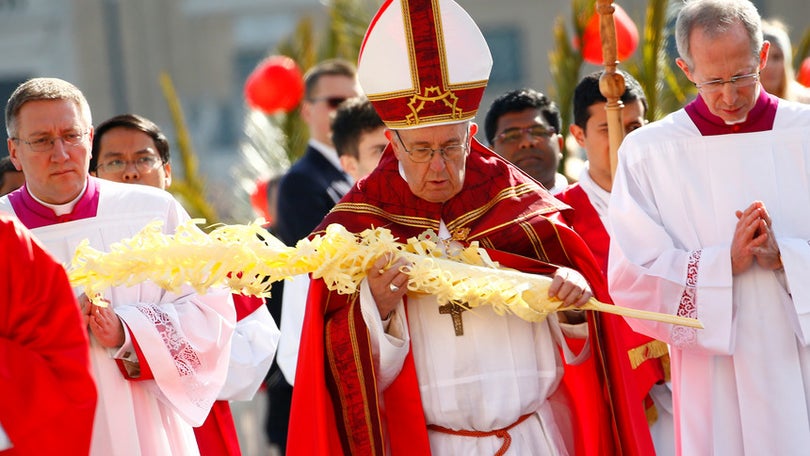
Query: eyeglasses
x=425 y=154
x=145 y=164
x=333 y=102
x=45 y=143
x=512 y=135
x=738 y=82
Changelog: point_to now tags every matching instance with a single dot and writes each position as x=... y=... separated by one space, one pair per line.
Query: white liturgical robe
x=742 y=384
x=185 y=337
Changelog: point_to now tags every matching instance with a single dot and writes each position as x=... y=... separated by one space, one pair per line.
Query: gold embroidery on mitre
x=433 y=95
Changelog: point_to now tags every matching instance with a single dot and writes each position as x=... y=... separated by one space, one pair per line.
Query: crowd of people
x=703 y=217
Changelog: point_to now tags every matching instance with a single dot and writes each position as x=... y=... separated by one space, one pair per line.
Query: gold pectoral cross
x=455 y=311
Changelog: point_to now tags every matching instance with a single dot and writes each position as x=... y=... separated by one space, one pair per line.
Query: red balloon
x=275 y=85
x=626 y=37
x=804 y=73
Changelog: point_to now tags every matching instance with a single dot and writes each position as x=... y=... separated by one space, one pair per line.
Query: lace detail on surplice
x=681 y=335
x=185 y=358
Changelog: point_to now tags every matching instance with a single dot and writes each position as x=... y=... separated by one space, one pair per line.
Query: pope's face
x=57 y=173
x=438 y=179
x=721 y=58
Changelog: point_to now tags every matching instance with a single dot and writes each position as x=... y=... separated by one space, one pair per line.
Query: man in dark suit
x=306 y=193
x=316 y=181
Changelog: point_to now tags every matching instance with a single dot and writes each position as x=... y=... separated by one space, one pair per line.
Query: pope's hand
x=570 y=287
x=387 y=283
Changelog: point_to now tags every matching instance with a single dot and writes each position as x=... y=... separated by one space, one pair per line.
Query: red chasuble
x=632 y=362
x=47 y=393
x=336 y=404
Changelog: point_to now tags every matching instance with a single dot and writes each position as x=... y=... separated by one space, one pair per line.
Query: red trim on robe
x=145 y=370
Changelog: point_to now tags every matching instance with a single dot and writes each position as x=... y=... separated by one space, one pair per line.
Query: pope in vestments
x=709 y=216
x=383 y=371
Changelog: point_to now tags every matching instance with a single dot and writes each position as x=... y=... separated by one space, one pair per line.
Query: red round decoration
x=804 y=73
x=626 y=37
x=275 y=85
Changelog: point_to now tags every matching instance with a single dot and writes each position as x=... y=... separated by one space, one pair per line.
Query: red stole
x=624 y=386
x=336 y=403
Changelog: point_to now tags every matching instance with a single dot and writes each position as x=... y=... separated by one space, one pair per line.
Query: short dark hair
x=587 y=93
x=353 y=117
x=133 y=122
x=329 y=67
x=520 y=100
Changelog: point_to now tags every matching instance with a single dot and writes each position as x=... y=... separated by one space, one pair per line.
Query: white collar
x=61 y=209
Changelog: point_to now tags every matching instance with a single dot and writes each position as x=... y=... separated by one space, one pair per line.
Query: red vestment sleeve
x=48 y=395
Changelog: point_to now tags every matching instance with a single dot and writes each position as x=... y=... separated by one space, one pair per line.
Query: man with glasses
x=308 y=190
x=523 y=126
x=132 y=149
x=159 y=359
x=709 y=219
x=386 y=371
